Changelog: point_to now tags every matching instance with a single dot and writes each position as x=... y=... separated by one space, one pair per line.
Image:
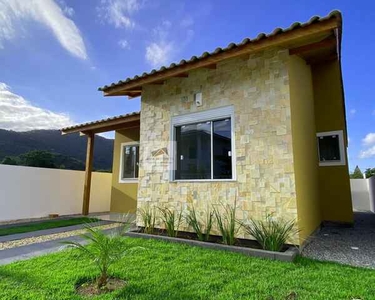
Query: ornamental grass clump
x=148 y=216
x=228 y=224
x=103 y=250
x=271 y=234
x=202 y=229
x=172 y=220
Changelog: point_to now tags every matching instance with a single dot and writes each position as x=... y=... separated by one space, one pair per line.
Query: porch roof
x=117 y=122
x=315 y=40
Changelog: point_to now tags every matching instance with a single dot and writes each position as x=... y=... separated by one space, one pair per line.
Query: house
x=260 y=123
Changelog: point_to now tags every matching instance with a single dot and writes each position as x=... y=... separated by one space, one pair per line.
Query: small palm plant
x=202 y=229
x=102 y=250
x=271 y=234
x=148 y=216
x=228 y=224
x=172 y=221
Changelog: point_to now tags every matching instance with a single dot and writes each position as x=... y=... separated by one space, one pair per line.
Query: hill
x=71 y=147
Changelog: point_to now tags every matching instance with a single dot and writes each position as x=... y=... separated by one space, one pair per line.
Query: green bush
x=202 y=229
x=148 y=216
x=228 y=224
x=172 y=220
x=271 y=234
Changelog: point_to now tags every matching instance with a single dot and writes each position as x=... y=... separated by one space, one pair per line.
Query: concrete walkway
x=348 y=245
x=28 y=251
x=37 y=233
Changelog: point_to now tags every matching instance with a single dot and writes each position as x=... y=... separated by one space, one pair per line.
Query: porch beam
x=88 y=173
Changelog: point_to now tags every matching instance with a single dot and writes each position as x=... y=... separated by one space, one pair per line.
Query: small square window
x=331 y=148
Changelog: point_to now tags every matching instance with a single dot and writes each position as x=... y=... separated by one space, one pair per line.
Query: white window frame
x=121 y=179
x=202 y=116
x=342 y=161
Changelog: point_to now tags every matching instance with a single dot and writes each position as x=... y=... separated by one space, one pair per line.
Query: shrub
x=201 y=229
x=148 y=216
x=228 y=224
x=102 y=250
x=171 y=220
x=271 y=234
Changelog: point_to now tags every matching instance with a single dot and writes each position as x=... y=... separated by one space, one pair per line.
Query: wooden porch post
x=88 y=170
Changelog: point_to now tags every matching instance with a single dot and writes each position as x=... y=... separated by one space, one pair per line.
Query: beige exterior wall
x=123 y=195
x=258 y=88
x=304 y=146
x=28 y=192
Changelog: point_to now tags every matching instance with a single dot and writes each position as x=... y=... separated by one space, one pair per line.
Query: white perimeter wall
x=363 y=194
x=27 y=192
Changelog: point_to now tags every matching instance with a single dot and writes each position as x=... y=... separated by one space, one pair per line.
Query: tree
x=357 y=174
x=8 y=160
x=103 y=249
x=37 y=158
x=370 y=172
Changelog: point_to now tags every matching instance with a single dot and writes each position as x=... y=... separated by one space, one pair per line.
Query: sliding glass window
x=204 y=150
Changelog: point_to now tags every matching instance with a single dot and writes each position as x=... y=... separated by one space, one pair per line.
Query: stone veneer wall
x=258 y=87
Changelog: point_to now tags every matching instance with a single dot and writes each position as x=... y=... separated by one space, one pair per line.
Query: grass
x=173 y=271
x=48 y=224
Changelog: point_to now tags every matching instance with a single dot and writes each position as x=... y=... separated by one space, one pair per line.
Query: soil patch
x=90 y=288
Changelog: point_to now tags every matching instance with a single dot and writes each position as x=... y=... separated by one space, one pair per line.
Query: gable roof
x=316 y=30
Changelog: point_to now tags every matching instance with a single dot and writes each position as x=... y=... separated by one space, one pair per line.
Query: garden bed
x=247 y=247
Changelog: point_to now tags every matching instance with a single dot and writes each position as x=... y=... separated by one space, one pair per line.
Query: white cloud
x=119 y=12
x=367 y=153
x=14 y=12
x=187 y=21
x=68 y=11
x=124 y=44
x=369 y=139
x=353 y=111
x=158 y=54
x=160 y=51
x=18 y=114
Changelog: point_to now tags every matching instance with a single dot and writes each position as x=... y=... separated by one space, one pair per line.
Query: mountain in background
x=69 y=150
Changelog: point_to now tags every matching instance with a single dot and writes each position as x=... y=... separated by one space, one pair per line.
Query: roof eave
x=130 y=121
x=133 y=87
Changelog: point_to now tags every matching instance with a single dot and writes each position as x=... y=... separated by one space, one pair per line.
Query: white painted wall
x=27 y=192
x=363 y=194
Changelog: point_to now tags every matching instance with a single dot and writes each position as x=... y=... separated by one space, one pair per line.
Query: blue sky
x=54 y=54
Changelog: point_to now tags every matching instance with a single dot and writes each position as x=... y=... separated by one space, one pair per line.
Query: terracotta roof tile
x=276 y=31
x=101 y=121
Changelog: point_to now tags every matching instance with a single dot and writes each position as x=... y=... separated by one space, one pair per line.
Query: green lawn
x=172 y=271
x=48 y=224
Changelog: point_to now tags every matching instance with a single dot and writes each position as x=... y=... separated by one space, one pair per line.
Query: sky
x=54 y=54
